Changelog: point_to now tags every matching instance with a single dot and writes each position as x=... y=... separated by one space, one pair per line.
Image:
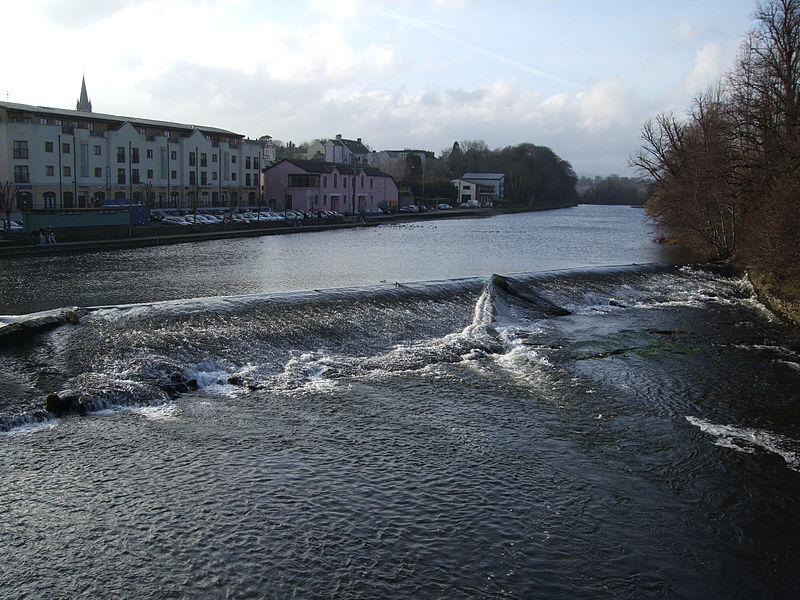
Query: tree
x=456 y=161
x=147 y=193
x=727 y=177
x=8 y=193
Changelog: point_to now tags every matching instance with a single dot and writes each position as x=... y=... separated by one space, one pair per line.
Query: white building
x=486 y=189
x=344 y=151
x=60 y=158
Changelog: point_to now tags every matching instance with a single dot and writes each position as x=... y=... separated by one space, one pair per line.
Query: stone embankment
x=156 y=235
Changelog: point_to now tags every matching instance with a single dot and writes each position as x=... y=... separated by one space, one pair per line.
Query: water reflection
x=523 y=242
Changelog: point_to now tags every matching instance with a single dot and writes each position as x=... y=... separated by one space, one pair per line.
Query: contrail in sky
x=437 y=29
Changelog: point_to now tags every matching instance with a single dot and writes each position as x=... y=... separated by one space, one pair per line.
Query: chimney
x=338 y=136
x=358 y=140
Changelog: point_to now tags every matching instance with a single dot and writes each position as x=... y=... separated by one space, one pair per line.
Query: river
x=379 y=417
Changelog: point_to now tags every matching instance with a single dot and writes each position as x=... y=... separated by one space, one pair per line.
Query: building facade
x=344 y=151
x=488 y=189
x=313 y=185
x=62 y=159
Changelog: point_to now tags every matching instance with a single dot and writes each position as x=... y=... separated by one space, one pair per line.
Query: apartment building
x=317 y=185
x=62 y=159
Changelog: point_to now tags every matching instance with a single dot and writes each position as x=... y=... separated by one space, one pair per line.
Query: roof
x=482 y=176
x=354 y=146
x=316 y=166
x=72 y=114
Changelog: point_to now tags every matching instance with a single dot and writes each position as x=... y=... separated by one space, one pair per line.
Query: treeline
x=614 y=190
x=534 y=175
x=727 y=176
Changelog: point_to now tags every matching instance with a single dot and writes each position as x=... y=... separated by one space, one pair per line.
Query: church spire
x=83 y=102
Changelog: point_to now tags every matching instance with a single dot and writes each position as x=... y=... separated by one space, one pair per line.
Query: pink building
x=314 y=185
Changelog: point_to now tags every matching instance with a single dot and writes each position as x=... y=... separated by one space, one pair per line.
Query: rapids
x=602 y=432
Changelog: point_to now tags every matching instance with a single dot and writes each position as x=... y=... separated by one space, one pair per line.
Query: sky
x=578 y=76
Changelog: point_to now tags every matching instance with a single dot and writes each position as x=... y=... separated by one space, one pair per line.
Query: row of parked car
x=215 y=217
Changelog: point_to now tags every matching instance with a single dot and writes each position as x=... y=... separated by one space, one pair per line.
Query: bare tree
x=8 y=193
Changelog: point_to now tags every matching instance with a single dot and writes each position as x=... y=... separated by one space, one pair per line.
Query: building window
x=192 y=178
x=149 y=173
x=371 y=181
x=57 y=122
x=120 y=154
x=335 y=180
x=20 y=149
x=214 y=176
x=120 y=176
x=149 y=153
x=213 y=158
x=174 y=174
x=255 y=162
x=247 y=179
x=173 y=155
x=233 y=176
x=90 y=126
x=233 y=159
x=98 y=172
x=50 y=170
x=302 y=180
x=344 y=182
x=192 y=159
x=135 y=156
x=43 y=121
x=246 y=162
x=65 y=148
x=203 y=159
x=362 y=181
x=98 y=150
x=135 y=176
x=203 y=178
x=324 y=181
x=67 y=172
x=49 y=199
x=48 y=146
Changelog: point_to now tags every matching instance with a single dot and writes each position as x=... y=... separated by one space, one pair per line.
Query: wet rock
x=235 y=380
x=72 y=317
x=192 y=384
x=57 y=405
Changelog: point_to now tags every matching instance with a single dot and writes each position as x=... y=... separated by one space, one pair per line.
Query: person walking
x=51 y=236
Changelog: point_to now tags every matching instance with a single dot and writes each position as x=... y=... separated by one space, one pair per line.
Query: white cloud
x=710 y=62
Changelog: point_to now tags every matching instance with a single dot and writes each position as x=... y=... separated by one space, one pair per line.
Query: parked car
x=173 y=220
x=444 y=206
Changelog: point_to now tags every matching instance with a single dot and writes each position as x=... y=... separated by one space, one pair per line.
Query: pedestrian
x=42 y=237
x=51 y=236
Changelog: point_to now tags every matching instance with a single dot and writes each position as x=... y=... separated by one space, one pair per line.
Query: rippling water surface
x=600 y=432
x=421 y=251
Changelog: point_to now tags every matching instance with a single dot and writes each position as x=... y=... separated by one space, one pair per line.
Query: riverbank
x=782 y=298
x=160 y=235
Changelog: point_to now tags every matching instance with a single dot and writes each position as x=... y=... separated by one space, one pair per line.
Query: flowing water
x=593 y=432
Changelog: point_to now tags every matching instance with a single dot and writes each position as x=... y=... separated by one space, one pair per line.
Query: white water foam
x=745 y=439
x=30 y=428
